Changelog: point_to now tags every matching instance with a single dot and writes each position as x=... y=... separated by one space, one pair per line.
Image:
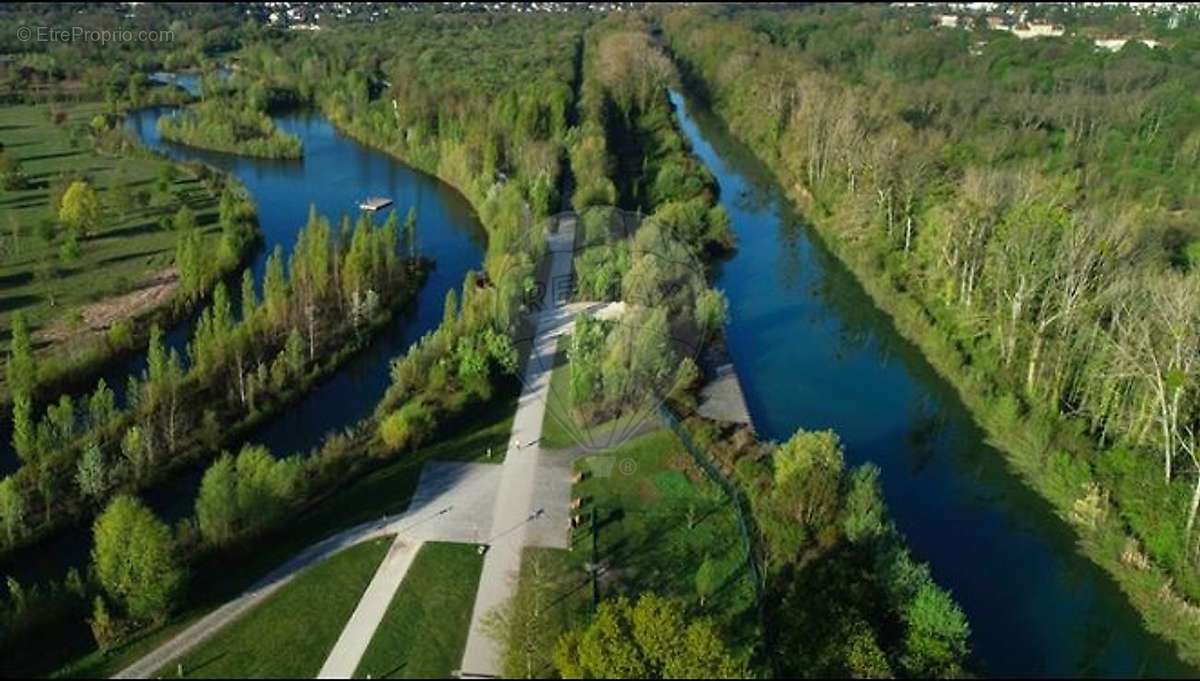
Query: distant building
x=1037 y=30
x=1115 y=44
x=947 y=21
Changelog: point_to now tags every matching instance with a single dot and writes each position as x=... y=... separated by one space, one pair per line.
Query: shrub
x=407 y=427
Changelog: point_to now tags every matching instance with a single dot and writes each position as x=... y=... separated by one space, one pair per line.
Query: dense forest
x=1027 y=211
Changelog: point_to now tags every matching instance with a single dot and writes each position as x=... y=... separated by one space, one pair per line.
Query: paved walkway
x=535 y=487
x=524 y=502
x=355 y=638
x=453 y=502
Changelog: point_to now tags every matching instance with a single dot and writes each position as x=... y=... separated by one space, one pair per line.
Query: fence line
x=731 y=490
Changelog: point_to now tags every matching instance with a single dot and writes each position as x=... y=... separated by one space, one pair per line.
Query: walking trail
x=453 y=500
x=535 y=486
x=523 y=502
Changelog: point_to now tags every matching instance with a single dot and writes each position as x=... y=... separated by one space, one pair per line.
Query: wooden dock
x=375 y=203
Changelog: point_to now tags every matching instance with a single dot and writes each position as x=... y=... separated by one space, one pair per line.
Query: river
x=813 y=352
x=334 y=175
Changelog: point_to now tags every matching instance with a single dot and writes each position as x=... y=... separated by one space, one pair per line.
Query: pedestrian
x=518 y=441
x=489 y=452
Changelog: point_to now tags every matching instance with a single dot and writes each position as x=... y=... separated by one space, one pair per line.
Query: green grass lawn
x=659 y=519
x=424 y=632
x=123 y=252
x=385 y=490
x=291 y=633
x=661 y=526
x=559 y=430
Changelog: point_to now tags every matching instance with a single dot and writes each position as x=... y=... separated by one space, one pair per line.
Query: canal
x=813 y=352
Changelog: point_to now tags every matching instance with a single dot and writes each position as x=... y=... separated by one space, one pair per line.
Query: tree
x=92 y=473
x=134 y=558
x=121 y=195
x=709 y=577
x=184 y=220
x=80 y=208
x=216 y=504
x=20 y=371
x=804 y=499
x=21 y=375
x=24 y=437
x=69 y=252
x=12 y=509
x=652 y=639
x=135 y=451
x=410 y=231
x=936 y=640
x=245 y=494
x=105 y=628
x=275 y=292
x=864 y=514
x=293 y=351
x=12 y=176
x=712 y=308
x=101 y=405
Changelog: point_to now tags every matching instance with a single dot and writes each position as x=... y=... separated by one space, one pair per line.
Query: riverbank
x=1101 y=536
x=203 y=443
x=218 y=125
x=1024 y=442
x=115 y=261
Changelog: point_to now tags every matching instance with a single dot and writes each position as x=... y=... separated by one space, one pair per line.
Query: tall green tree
x=80 y=209
x=135 y=559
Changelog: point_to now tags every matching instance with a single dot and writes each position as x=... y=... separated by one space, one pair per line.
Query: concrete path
x=359 y=631
x=470 y=489
x=524 y=502
x=535 y=487
x=453 y=502
x=721 y=399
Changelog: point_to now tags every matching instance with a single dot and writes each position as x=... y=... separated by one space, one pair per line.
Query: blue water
x=334 y=175
x=813 y=352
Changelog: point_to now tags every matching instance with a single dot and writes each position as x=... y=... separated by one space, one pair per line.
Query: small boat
x=375 y=203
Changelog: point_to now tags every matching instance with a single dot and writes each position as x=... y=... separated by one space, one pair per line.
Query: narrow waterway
x=334 y=175
x=813 y=352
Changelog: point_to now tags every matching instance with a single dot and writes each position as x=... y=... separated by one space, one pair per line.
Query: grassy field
x=291 y=633
x=123 y=253
x=424 y=632
x=558 y=429
x=659 y=519
x=661 y=526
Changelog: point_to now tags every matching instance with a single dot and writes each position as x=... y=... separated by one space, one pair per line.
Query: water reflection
x=335 y=174
x=814 y=352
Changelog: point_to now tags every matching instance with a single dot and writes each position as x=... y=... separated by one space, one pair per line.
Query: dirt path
x=99 y=316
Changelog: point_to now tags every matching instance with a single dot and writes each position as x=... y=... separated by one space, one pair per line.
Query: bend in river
x=335 y=174
x=813 y=352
